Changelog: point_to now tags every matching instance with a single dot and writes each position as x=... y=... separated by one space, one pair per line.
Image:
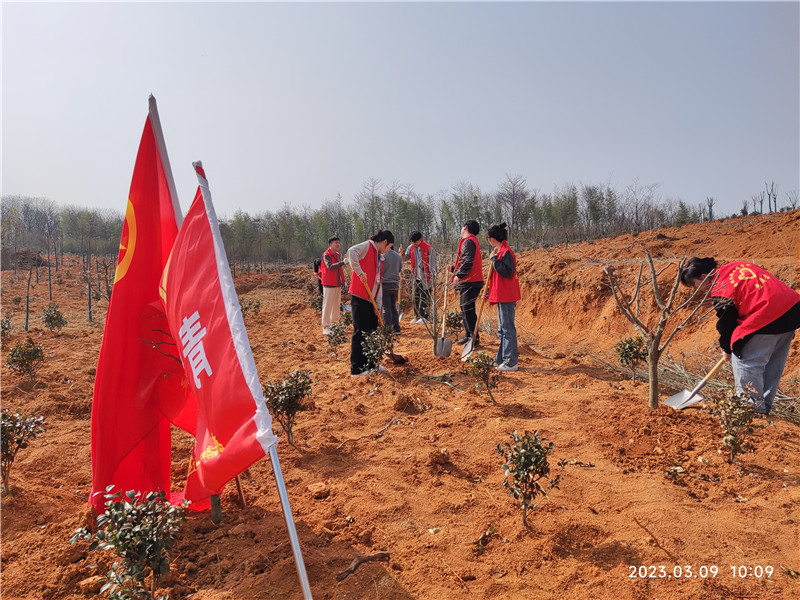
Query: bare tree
x=654 y=333
x=772 y=196
x=710 y=203
x=512 y=194
x=792 y=199
x=745 y=207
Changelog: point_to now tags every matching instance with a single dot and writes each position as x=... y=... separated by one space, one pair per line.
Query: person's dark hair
x=332 y=239
x=697 y=268
x=473 y=227
x=383 y=235
x=415 y=236
x=498 y=232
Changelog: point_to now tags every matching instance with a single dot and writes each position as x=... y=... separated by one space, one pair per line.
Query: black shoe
x=463 y=340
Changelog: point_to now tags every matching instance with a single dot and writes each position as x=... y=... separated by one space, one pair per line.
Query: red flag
x=234 y=427
x=131 y=443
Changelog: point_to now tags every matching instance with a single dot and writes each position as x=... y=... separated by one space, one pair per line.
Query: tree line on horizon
x=570 y=213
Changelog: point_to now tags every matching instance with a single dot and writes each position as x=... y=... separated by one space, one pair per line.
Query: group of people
x=376 y=278
x=757 y=314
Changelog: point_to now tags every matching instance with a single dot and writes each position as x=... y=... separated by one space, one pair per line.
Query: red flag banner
x=131 y=443
x=234 y=427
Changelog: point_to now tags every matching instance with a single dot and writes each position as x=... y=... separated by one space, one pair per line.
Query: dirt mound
x=406 y=462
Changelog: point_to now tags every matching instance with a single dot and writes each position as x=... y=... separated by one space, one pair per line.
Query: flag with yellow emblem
x=137 y=387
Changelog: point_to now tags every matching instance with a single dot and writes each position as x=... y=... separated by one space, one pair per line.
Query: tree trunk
x=652 y=373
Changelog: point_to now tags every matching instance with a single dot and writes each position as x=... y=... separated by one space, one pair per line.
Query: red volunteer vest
x=368 y=264
x=425 y=248
x=476 y=272
x=330 y=277
x=504 y=289
x=759 y=296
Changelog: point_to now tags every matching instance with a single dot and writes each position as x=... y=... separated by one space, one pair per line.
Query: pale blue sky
x=298 y=102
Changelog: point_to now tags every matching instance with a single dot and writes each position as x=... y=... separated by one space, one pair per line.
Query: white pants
x=331 y=305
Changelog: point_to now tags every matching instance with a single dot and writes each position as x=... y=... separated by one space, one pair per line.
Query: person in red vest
x=364 y=259
x=757 y=315
x=468 y=278
x=504 y=292
x=423 y=268
x=331 y=276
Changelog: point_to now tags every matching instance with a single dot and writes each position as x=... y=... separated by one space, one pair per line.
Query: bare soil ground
x=644 y=487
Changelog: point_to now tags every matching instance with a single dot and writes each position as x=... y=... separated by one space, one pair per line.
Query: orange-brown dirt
x=644 y=487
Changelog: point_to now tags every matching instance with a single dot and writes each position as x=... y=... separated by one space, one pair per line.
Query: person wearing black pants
x=468 y=278
x=364 y=321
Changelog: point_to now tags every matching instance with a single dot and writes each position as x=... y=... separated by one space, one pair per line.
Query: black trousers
x=469 y=297
x=390 y=314
x=364 y=321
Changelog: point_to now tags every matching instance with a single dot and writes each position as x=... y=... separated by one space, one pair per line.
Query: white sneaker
x=363 y=373
x=505 y=367
x=326 y=331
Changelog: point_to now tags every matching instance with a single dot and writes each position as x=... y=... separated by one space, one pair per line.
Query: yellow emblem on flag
x=126 y=245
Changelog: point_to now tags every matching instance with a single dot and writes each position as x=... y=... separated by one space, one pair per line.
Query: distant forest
x=570 y=213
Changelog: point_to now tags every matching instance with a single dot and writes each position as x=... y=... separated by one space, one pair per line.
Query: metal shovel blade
x=683 y=399
x=469 y=348
x=442 y=347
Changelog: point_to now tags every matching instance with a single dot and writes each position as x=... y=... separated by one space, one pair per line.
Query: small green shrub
x=16 y=431
x=251 y=307
x=736 y=414
x=453 y=323
x=141 y=530
x=285 y=399
x=481 y=366
x=53 y=319
x=375 y=343
x=347 y=318
x=5 y=328
x=526 y=469
x=337 y=337
x=26 y=358
x=16 y=300
x=632 y=351
x=316 y=302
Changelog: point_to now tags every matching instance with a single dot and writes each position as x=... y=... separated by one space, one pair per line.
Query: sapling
x=250 y=306
x=337 y=337
x=285 y=399
x=632 y=351
x=16 y=432
x=736 y=413
x=26 y=358
x=481 y=366
x=527 y=469
x=347 y=318
x=316 y=303
x=5 y=327
x=53 y=319
x=141 y=529
x=453 y=323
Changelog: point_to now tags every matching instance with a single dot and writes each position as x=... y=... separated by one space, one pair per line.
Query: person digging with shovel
x=423 y=269
x=504 y=292
x=757 y=315
x=468 y=278
x=365 y=283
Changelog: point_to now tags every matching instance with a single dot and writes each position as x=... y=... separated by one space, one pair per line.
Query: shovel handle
x=708 y=377
x=483 y=299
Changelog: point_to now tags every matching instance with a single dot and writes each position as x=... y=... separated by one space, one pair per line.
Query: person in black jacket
x=468 y=278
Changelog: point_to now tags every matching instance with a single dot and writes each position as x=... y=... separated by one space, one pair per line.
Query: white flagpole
x=287 y=514
x=155 y=121
x=273 y=453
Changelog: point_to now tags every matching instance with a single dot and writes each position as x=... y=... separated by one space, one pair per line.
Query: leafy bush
x=26 y=358
x=736 y=413
x=403 y=304
x=632 y=351
x=337 y=336
x=141 y=529
x=53 y=319
x=16 y=431
x=16 y=300
x=251 y=306
x=375 y=343
x=526 y=467
x=5 y=327
x=347 y=318
x=284 y=398
x=316 y=303
x=481 y=366
x=453 y=323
